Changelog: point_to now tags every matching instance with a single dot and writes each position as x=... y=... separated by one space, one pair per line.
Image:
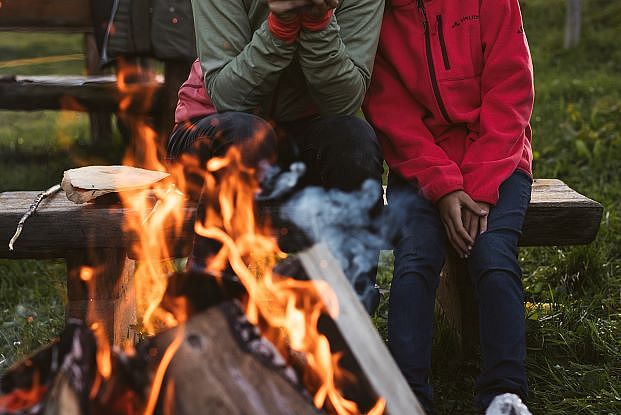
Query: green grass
x=574 y=329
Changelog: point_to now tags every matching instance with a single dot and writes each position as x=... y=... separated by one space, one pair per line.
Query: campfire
x=256 y=332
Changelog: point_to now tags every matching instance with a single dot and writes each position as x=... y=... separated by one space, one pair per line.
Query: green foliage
x=573 y=294
x=31 y=306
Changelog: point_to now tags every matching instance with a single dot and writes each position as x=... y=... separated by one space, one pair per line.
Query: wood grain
x=46 y=15
x=557 y=215
x=202 y=379
x=360 y=334
x=75 y=93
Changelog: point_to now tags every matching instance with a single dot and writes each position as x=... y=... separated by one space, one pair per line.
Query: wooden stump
x=108 y=296
x=456 y=298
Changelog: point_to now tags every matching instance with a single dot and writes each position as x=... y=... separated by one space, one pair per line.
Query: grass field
x=574 y=316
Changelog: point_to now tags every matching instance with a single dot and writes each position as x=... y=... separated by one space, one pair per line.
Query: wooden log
x=457 y=303
x=557 y=215
x=358 y=331
x=74 y=93
x=46 y=15
x=100 y=288
x=216 y=371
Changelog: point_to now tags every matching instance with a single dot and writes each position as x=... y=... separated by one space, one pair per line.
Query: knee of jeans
x=254 y=137
x=494 y=251
x=351 y=147
x=419 y=259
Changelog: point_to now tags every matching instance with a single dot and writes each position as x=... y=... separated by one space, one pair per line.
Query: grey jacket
x=246 y=68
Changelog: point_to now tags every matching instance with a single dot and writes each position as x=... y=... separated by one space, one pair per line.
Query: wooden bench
x=96 y=94
x=92 y=235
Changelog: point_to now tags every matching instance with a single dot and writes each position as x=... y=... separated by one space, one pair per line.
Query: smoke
x=352 y=224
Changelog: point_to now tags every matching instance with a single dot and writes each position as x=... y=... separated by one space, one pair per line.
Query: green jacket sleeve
x=240 y=66
x=337 y=62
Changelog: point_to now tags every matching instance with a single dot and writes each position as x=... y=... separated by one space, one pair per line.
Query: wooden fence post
x=573 y=23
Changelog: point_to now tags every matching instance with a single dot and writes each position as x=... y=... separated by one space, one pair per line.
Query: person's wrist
x=284 y=26
x=315 y=23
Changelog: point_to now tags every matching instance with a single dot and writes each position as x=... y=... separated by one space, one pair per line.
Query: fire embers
x=215 y=363
x=64 y=378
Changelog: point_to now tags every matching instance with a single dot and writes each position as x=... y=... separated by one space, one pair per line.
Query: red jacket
x=452 y=94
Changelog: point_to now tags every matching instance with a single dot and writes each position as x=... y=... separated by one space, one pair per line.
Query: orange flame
x=22 y=399
x=287 y=310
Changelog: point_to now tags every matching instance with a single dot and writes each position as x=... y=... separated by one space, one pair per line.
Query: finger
x=451 y=239
x=483 y=224
x=456 y=238
x=473 y=225
x=473 y=206
x=459 y=228
x=286 y=6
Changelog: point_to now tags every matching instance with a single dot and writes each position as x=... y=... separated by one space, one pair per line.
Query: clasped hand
x=291 y=9
x=464 y=219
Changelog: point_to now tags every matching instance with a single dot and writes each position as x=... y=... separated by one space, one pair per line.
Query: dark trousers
x=496 y=277
x=339 y=152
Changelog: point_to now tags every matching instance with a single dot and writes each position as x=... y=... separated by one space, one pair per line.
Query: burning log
x=374 y=363
x=215 y=363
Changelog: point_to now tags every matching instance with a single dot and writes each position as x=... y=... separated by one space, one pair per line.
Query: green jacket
x=246 y=68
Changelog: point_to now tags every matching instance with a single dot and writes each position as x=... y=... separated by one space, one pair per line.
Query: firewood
x=375 y=364
x=87 y=183
x=223 y=366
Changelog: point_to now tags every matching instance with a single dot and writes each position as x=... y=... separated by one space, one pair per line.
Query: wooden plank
x=557 y=215
x=60 y=225
x=75 y=93
x=46 y=15
x=360 y=334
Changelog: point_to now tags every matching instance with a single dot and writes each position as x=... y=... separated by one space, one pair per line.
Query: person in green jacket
x=282 y=80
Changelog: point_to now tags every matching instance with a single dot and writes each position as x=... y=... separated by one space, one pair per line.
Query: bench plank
x=76 y=93
x=557 y=215
x=46 y=15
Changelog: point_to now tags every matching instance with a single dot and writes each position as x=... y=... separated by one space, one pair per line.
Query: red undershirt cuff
x=315 y=24
x=287 y=31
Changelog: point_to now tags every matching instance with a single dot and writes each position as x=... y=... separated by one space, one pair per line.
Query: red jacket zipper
x=445 y=58
x=430 y=65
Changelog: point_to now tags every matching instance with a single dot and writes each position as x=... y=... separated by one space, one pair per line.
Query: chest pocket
x=457 y=42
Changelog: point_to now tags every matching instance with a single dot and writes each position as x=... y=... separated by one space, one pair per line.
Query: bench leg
x=458 y=304
x=109 y=295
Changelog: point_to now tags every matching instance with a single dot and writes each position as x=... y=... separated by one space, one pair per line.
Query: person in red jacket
x=451 y=99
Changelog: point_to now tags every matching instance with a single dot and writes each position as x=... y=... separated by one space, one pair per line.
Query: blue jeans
x=340 y=152
x=496 y=277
